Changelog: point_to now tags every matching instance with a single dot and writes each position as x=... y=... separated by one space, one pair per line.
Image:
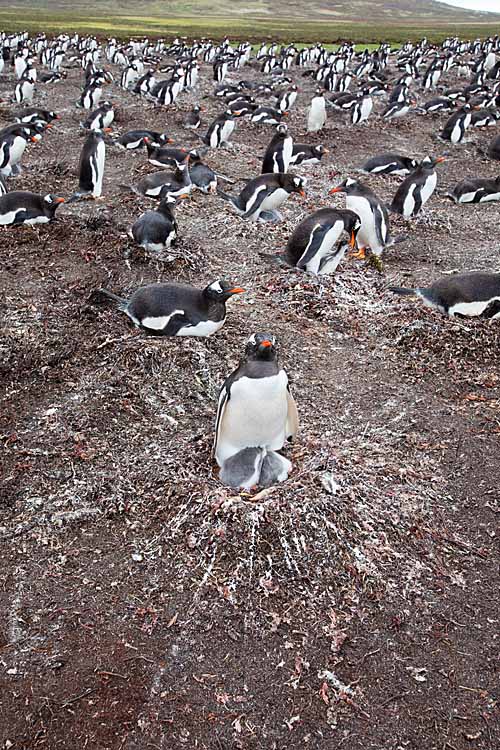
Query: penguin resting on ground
x=476 y=190
x=156 y=230
x=416 y=189
x=303 y=153
x=23 y=207
x=177 y=309
x=474 y=294
x=255 y=411
x=389 y=164
x=262 y=195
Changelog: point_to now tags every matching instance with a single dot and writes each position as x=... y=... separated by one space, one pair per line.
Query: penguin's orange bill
x=170 y=140
x=60 y=200
x=302 y=193
x=108 y=130
x=34 y=139
x=335 y=190
x=266 y=343
x=183 y=196
x=440 y=159
x=236 y=290
x=352 y=241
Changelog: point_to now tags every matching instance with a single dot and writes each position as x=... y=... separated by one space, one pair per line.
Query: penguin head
x=344 y=186
x=221 y=290
x=319 y=151
x=261 y=346
x=52 y=202
x=429 y=162
x=282 y=129
x=352 y=225
x=297 y=184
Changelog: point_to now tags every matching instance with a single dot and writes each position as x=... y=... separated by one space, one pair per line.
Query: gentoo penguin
x=254 y=466
x=397 y=110
x=454 y=128
x=35 y=114
x=438 y=104
x=156 y=230
x=389 y=164
x=25 y=89
x=220 y=130
x=362 y=109
x=279 y=151
x=12 y=146
x=262 y=195
x=160 y=184
x=22 y=207
x=475 y=294
x=476 y=190
x=256 y=408
x=374 y=230
x=267 y=116
x=417 y=188
x=314 y=244
x=135 y=138
x=162 y=156
x=241 y=107
x=3 y=186
x=178 y=309
x=316 y=116
x=286 y=100
x=192 y=120
x=303 y=153
x=91 y=96
x=494 y=149
x=202 y=177
x=101 y=118
x=91 y=169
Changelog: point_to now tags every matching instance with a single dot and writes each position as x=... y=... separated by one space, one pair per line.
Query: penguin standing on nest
x=475 y=294
x=316 y=117
x=256 y=415
x=262 y=196
x=374 y=230
x=417 y=188
x=91 y=169
x=279 y=152
x=177 y=309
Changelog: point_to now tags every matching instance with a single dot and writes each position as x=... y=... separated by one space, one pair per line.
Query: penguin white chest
x=317 y=114
x=98 y=169
x=254 y=416
x=428 y=187
x=367 y=235
x=226 y=131
x=17 y=150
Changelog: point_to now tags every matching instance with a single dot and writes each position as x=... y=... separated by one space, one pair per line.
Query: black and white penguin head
x=221 y=290
x=429 y=162
x=319 y=151
x=52 y=202
x=261 y=346
x=106 y=105
x=352 y=224
x=344 y=186
x=295 y=184
x=282 y=129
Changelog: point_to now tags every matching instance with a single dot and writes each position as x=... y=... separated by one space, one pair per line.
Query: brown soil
x=146 y=606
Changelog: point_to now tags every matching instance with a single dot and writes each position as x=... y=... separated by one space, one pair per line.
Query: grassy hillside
x=363 y=21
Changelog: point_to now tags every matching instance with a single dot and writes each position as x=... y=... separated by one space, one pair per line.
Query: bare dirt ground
x=145 y=605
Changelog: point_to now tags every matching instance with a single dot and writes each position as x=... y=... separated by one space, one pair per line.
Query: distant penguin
x=35 y=114
x=22 y=207
x=91 y=96
x=192 y=120
x=178 y=309
x=202 y=176
x=91 y=168
x=159 y=184
x=397 y=110
x=262 y=196
x=389 y=164
x=474 y=294
x=12 y=146
x=267 y=116
x=476 y=190
x=315 y=245
x=256 y=408
x=25 y=90
x=155 y=231
x=417 y=188
x=287 y=99
x=374 y=230
x=303 y=153
x=133 y=139
x=164 y=156
x=454 y=129
x=279 y=151
x=316 y=117
x=362 y=109
x=220 y=130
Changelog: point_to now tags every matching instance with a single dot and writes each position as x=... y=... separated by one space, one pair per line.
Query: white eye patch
x=216 y=287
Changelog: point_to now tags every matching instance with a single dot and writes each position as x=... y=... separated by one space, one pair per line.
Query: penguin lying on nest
x=177 y=309
x=262 y=195
x=23 y=207
x=315 y=246
x=476 y=190
x=389 y=164
x=156 y=231
x=256 y=415
x=474 y=294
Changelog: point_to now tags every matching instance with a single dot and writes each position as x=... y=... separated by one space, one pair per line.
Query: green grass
x=254 y=30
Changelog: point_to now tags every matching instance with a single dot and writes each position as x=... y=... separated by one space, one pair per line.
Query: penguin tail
x=403 y=291
x=277 y=259
x=75 y=197
x=227 y=197
x=122 y=302
x=128 y=188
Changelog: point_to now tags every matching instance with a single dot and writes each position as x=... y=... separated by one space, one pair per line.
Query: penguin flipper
x=224 y=397
x=314 y=244
x=122 y=302
x=292 y=418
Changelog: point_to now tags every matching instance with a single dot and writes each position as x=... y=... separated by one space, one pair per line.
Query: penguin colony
x=257 y=414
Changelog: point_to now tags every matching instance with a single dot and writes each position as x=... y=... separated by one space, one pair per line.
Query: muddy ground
x=145 y=605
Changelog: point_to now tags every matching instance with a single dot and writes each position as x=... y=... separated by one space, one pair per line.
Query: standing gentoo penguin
x=279 y=152
x=476 y=190
x=156 y=230
x=255 y=411
x=362 y=108
x=316 y=117
x=22 y=207
x=303 y=153
x=455 y=127
x=91 y=169
x=178 y=309
x=417 y=188
x=314 y=244
x=261 y=196
x=220 y=130
x=475 y=294
x=389 y=164
x=374 y=230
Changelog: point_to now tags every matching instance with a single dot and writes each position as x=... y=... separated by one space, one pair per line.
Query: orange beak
x=352 y=241
x=184 y=195
x=58 y=117
x=60 y=200
x=48 y=126
x=34 y=139
x=335 y=190
x=302 y=193
x=266 y=344
x=108 y=130
x=440 y=159
x=236 y=290
x=170 y=140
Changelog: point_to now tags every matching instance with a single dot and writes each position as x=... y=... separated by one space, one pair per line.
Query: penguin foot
x=360 y=255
